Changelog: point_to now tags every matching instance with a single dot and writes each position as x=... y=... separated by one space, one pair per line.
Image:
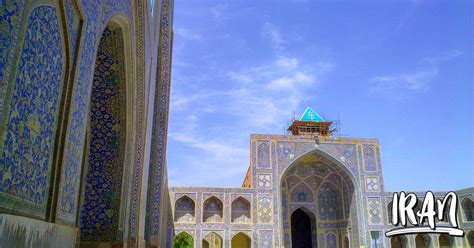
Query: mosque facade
x=306 y=189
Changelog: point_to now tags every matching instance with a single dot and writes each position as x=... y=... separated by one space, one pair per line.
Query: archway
x=212 y=210
x=301 y=226
x=445 y=240
x=212 y=240
x=389 y=211
x=241 y=240
x=398 y=242
x=183 y=240
x=422 y=241
x=240 y=210
x=106 y=142
x=322 y=187
x=468 y=208
x=184 y=209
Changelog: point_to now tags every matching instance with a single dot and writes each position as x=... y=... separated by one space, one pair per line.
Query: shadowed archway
x=212 y=240
x=301 y=229
x=105 y=164
x=318 y=185
x=398 y=242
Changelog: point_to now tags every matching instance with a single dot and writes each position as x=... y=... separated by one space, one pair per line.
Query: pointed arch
x=389 y=211
x=31 y=111
x=422 y=241
x=240 y=210
x=341 y=201
x=212 y=240
x=303 y=228
x=398 y=242
x=183 y=240
x=184 y=210
x=445 y=241
x=212 y=210
x=241 y=240
x=107 y=163
x=468 y=209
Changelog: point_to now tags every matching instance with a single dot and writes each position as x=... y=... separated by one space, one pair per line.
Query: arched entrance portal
x=101 y=208
x=212 y=240
x=301 y=236
x=240 y=240
x=318 y=191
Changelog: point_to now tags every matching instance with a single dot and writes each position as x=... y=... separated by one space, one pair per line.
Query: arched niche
x=398 y=242
x=468 y=209
x=320 y=184
x=445 y=241
x=422 y=241
x=389 y=211
x=30 y=109
x=212 y=210
x=240 y=209
x=183 y=240
x=184 y=210
x=106 y=163
x=241 y=240
x=212 y=240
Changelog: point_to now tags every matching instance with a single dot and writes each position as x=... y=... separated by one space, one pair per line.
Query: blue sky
x=401 y=71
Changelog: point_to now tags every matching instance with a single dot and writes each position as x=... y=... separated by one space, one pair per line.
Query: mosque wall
x=51 y=121
x=338 y=181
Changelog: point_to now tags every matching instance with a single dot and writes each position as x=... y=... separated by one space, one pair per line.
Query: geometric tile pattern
x=264 y=180
x=265 y=209
x=374 y=206
x=372 y=184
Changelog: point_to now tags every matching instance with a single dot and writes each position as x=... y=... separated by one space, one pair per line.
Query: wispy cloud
x=220 y=13
x=272 y=33
x=187 y=34
x=440 y=58
x=416 y=81
x=398 y=85
x=245 y=97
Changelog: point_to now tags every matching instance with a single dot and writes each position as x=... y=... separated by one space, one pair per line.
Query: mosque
x=84 y=103
x=306 y=189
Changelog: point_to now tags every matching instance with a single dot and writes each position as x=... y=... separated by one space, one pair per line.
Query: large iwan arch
x=107 y=164
x=324 y=188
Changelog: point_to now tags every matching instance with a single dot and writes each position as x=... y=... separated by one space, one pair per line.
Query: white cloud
x=256 y=97
x=415 y=81
x=272 y=33
x=187 y=34
x=446 y=56
x=220 y=13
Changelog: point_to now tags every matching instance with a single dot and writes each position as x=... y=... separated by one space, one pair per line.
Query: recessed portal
x=100 y=211
x=301 y=230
